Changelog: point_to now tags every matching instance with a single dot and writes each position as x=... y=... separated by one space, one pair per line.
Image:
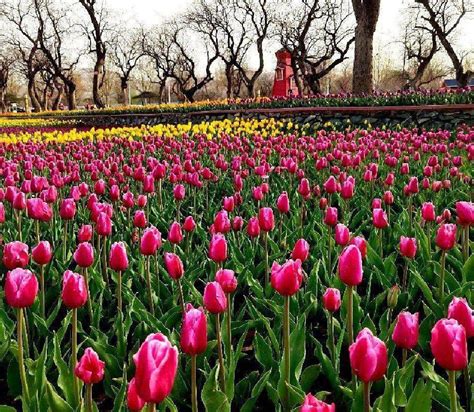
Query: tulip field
x=244 y=265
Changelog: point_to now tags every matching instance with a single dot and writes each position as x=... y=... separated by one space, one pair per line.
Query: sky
x=149 y=12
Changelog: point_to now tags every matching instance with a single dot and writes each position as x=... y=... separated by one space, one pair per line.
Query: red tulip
x=405 y=332
x=85 y=233
x=215 y=300
x=286 y=279
x=347 y=189
x=2 y=213
x=156 y=364
x=21 y=288
x=342 y=234
x=179 y=192
x=39 y=210
x=189 y=225
x=332 y=299
x=150 y=241
x=134 y=402
x=465 y=212
x=74 y=293
x=15 y=255
x=42 y=253
x=226 y=278
x=90 y=369
x=19 y=202
x=175 y=235
x=253 y=227
x=174 y=265
x=103 y=224
x=446 y=236
x=428 y=212
x=67 y=210
x=222 y=222
x=218 y=248
x=139 y=219
x=330 y=186
x=408 y=247
x=460 y=310
x=228 y=203
x=304 y=188
x=300 y=250
x=283 y=203
x=449 y=344
x=237 y=223
x=361 y=244
x=84 y=255
x=330 y=217
x=379 y=218
x=312 y=404
x=388 y=198
x=118 y=260
x=368 y=356
x=266 y=219
x=350 y=266
x=194 y=331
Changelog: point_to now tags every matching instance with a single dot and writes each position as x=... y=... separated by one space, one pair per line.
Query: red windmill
x=284 y=82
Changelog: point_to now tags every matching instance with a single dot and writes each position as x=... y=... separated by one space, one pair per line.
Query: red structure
x=284 y=82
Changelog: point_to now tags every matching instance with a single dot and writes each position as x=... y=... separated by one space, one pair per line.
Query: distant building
x=454 y=84
x=284 y=84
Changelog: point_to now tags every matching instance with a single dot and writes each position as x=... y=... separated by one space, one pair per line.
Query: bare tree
x=443 y=17
x=96 y=33
x=7 y=58
x=318 y=36
x=366 y=14
x=125 y=53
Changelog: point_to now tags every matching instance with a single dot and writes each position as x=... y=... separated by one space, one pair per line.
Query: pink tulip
x=21 y=288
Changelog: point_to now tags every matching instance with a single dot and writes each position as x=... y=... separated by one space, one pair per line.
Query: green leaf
x=55 y=402
x=5 y=408
x=212 y=397
x=420 y=399
x=309 y=376
x=468 y=269
x=386 y=402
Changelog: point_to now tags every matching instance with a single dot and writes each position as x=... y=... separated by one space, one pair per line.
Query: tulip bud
x=286 y=279
x=21 y=288
x=342 y=234
x=118 y=260
x=449 y=344
x=428 y=212
x=103 y=224
x=379 y=218
x=42 y=253
x=392 y=296
x=330 y=217
x=150 y=241
x=134 y=402
x=218 y=248
x=85 y=233
x=139 y=219
x=226 y=278
x=84 y=255
x=175 y=236
x=90 y=369
x=253 y=228
x=465 y=212
x=67 y=210
x=266 y=219
x=446 y=236
x=350 y=266
x=15 y=255
x=459 y=309
x=408 y=247
x=332 y=299
x=405 y=332
x=312 y=404
x=300 y=250
x=368 y=368
x=74 y=292
x=194 y=331
x=174 y=265
x=283 y=203
x=215 y=300
x=189 y=225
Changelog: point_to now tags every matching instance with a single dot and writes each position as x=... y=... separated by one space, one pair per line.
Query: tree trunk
x=32 y=95
x=251 y=88
x=124 y=89
x=71 y=95
x=362 y=81
x=228 y=76
x=3 y=103
x=298 y=82
x=96 y=82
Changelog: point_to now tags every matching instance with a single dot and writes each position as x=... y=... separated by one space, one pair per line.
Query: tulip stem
x=452 y=390
x=442 y=275
x=465 y=242
x=37 y=232
x=194 y=384
x=148 y=286
x=329 y=270
x=18 y=219
x=405 y=275
x=404 y=356
x=89 y=407
x=265 y=243
x=350 y=332
x=181 y=296
x=42 y=294
x=104 y=259
x=428 y=235
x=229 y=330
x=331 y=338
x=467 y=387
x=381 y=243
x=286 y=347
x=160 y=199
x=366 y=396
x=119 y=290
x=21 y=363
x=74 y=353
x=65 y=240
x=219 y=353
x=151 y=407
x=89 y=300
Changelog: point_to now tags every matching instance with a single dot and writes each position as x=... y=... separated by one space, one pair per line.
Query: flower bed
x=278 y=266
